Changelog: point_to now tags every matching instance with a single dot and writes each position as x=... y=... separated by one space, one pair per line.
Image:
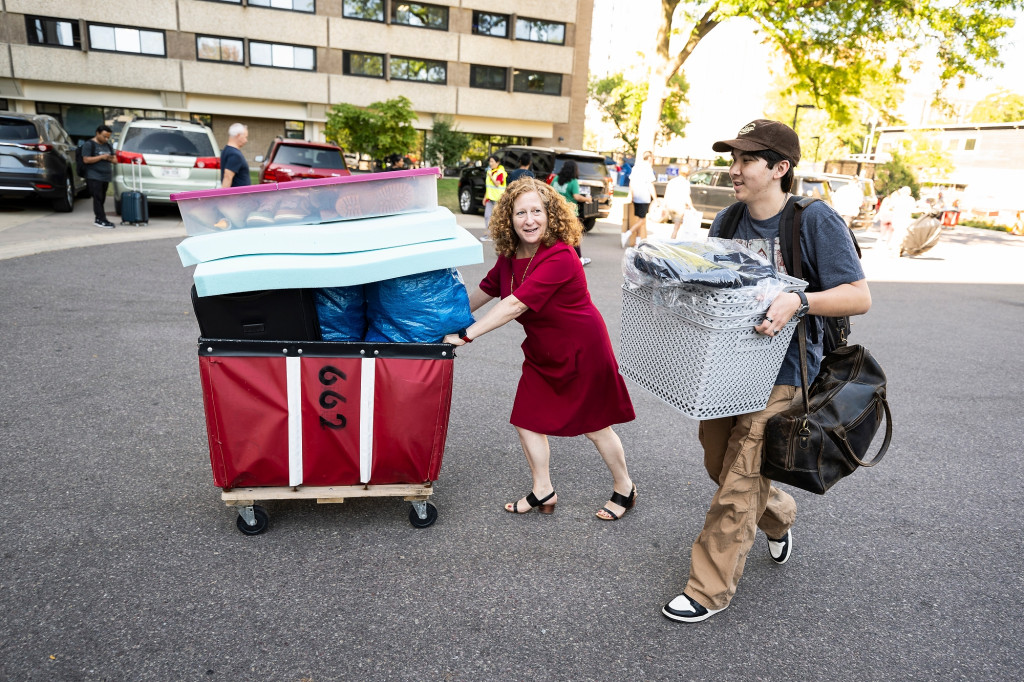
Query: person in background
x=234 y=169
x=99 y=158
x=764 y=154
x=568 y=353
x=495 y=181
x=523 y=171
x=847 y=201
x=641 y=192
x=677 y=199
x=567 y=184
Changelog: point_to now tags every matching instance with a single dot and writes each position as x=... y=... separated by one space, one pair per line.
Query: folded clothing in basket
x=720 y=263
x=417 y=308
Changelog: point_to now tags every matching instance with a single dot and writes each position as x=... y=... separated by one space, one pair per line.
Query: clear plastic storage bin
x=308 y=202
x=702 y=364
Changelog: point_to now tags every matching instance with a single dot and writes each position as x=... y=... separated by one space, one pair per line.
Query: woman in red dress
x=570 y=383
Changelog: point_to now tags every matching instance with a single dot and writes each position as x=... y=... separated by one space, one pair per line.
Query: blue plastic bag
x=417 y=308
x=342 y=313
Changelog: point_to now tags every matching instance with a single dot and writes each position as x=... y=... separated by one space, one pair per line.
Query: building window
x=423 y=70
x=4 y=104
x=970 y=143
x=282 y=56
x=539 y=31
x=233 y=2
x=537 y=82
x=202 y=119
x=106 y=38
x=293 y=5
x=367 y=10
x=420 y=15
x=53 y=32
x=214 y=49
x=362 y=64
x=295 y=130
x=489 y=24
x=488 y=77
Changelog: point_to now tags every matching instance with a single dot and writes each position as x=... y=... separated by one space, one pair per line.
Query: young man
x=764 y=154
x=234 y=169
x=99 y=158
x=641 y=193
x=523 y=171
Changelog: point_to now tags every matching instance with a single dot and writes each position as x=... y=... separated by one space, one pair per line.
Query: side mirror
x=259 y=159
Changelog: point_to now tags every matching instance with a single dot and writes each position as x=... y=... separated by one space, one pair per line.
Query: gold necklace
x=512 y=286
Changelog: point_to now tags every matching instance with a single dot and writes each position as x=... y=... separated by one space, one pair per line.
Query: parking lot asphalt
x=120 y=562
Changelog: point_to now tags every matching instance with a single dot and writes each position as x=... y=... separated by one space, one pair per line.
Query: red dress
x=570 y=383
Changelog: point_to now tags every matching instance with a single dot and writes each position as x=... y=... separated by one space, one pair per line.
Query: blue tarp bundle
x=417 y=308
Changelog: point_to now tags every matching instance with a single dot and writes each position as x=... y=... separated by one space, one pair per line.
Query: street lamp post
x=796 y=112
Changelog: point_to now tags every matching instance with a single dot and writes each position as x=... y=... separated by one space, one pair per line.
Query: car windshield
x=170 y=142
x=17 y=130
x=312 y=157
x=812 y=188
x=586 y=168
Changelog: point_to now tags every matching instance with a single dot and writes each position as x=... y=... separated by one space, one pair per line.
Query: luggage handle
x=136 y=165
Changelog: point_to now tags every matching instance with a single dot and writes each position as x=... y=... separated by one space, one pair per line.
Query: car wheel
x=588 y=224
x=466 y=200
x=117 y=204
x=65 y=203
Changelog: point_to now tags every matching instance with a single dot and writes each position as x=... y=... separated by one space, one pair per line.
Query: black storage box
x=275 y=314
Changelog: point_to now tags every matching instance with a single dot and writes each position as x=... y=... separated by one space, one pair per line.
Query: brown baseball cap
x=764 y=134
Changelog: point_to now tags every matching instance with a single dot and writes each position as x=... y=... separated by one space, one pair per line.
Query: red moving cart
x=325 y=421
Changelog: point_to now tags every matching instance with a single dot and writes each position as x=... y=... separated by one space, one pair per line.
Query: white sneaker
x=585 y=261
x=686 y=610
x=625 y=238
x=485 y=238
x=781 y=549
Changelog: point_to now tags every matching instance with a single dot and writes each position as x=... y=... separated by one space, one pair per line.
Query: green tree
x=621 y=102
x=835 y=48
x=446 y=144
x=1002 y=106
x=380 y=130
x=892 y=175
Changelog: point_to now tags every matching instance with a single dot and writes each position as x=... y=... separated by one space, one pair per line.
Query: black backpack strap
x=731 y=219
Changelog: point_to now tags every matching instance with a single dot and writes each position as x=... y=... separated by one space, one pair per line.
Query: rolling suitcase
x=275 y=314
x=134 y=205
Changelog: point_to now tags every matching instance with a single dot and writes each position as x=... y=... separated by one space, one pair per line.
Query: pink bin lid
x=297 y=184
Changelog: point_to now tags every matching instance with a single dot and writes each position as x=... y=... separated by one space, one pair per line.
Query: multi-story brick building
x=507 y=70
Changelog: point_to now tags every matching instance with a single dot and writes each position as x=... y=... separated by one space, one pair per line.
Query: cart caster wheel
x=262 y=521
x=417 y=522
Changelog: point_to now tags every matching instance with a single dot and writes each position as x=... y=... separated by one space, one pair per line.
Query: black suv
x=37 y=157
x=545 y=162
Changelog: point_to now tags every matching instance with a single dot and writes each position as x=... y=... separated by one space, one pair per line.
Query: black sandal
x=626 y=503
x=532 y=500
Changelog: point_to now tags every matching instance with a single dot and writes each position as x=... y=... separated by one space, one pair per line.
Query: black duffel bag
x=815 y=443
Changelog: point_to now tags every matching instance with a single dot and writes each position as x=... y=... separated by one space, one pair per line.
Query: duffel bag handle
x=845 y=444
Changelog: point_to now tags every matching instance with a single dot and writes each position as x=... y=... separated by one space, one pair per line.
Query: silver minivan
x=711 y=190
x=169 y=155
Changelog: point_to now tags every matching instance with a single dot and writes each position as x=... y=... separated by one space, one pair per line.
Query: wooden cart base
x=253 y=519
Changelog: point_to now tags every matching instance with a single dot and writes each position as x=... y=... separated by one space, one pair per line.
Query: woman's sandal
x=626 y=503
x=531 y=499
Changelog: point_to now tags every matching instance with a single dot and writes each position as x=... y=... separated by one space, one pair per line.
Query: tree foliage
x=380 y=130
x=1002 y=106
x=621 y=101
x=446 y=145
x=836 y=50
x=894 y=174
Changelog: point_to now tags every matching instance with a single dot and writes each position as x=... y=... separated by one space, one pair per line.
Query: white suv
x=171 y=156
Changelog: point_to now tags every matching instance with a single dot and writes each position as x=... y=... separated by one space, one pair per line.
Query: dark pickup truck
x=545 y=163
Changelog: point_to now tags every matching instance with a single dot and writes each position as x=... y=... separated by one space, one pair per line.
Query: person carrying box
x=764 y=154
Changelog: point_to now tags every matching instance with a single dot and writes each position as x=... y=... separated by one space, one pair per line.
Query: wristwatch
x=804 y=306
x=462 y=335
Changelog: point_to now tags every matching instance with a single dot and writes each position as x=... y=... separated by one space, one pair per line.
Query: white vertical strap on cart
x=366 y=399
x=293 y=378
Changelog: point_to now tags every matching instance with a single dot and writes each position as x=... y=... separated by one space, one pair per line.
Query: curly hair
x=563 y=225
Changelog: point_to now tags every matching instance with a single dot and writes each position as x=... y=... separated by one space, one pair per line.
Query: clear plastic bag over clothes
x=419 y=308
x=676 y=271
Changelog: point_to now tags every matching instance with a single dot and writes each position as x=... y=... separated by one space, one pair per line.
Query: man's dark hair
x=772 y=158
x=104 y=128
x=525 y=159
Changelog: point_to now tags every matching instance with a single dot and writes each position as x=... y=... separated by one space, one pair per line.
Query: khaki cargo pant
x=744 y=502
